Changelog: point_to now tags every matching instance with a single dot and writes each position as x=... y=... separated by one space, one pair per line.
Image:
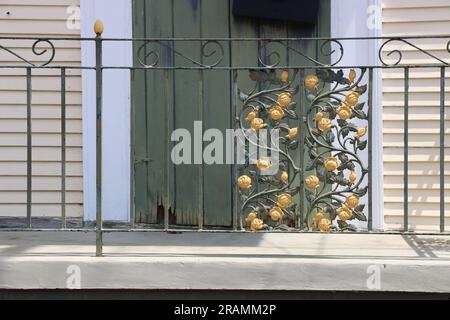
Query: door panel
x=164 y=100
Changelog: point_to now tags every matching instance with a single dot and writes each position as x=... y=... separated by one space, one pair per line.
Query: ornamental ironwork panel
x=332 y=144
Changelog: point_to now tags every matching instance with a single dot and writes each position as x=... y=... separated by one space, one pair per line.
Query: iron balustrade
x=329 y=91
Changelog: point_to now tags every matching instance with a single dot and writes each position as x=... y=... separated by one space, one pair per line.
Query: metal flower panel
x=333 y=128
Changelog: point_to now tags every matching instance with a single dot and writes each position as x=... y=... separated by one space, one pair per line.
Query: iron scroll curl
x=36 y=51
x=152 y=59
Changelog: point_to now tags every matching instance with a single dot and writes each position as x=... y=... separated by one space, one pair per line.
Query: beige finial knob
x=98 y=27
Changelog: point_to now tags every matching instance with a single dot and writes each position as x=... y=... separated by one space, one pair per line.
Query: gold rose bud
x=344 y=214
x=250 y=217
x=318 y=217
x=352 y=75
x=352 y=177
x=284 y=178
x=331 y=164
x=256 y=225
x=292 y=133
x=352 y=201
x=276 y=113
x=284 y=200
x=284 y=76
x=324 y=124
x=276 y=214
x=312 y=182
x=263 y=164
x=257 y=123
x=284 y=99
x=251 y=115
x=311 y=82
x=319 y=116
x=245 y=182
x=344 y=112
x=361 y=133
x=324 y=225
x=352 y=99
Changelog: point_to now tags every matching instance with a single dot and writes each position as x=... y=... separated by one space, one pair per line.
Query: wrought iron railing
x=322 y=109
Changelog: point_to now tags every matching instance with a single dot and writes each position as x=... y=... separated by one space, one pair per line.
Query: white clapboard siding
x=39 y=18
x=402 y=18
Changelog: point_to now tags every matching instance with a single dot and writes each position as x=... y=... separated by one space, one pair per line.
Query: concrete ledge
x=341 y=262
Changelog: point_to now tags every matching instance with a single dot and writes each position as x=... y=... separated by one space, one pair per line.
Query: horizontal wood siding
x=39 y=18
x=415 y=17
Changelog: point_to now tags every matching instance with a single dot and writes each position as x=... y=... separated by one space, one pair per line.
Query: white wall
x=362 y=18
x=117 y=18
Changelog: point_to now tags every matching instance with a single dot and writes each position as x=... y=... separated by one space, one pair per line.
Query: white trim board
x=117 y=19
x=362 y=18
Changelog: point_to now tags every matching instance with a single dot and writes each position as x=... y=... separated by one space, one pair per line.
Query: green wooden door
x=164 y=100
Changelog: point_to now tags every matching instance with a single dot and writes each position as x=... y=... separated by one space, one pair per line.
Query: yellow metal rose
x=311 y=82
x=284 y=200
x=257 y=123
x=344 y=213
x=284 y=99
x=251 y=115
x=284 y=76
x=331 y=164
x=292 y=133
x=284 y=178
x=324 y=225
x=251 y=216
x=276 y=113
x=276 y=214
x=324 y=124
x=361 y=132
x=352 y=99
x=344 y=112
x=263 y=164
x=312 y=182
x=352 y=177
x=352 y=201
x=256 y=225
x=244 y=182
x=318 y=217
x=319 y=116
x=352 y=75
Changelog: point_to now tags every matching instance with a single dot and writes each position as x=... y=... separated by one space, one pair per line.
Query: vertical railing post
x=98 y=29
x=63 y=149
x=406 y=153
x=442 y=153
x=29 y=150
x=371 y=112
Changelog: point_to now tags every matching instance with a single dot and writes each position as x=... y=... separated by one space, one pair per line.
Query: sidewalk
x=154 y=260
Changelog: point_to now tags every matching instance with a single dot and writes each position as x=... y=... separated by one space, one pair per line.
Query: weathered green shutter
x=164 y=100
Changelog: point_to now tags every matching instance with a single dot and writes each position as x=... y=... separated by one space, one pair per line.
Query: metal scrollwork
x=326 y=49
x=334 y=184
x=209 y=48
x=267 y=199
x=398 y=53
x=36 y=51
x=335 y=174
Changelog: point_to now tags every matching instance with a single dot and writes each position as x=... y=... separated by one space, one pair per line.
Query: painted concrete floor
x=203 y=261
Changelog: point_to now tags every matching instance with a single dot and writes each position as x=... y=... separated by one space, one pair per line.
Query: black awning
x=287 y=10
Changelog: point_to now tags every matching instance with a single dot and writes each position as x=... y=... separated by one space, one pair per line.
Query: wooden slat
x=217 y=114
x=19 y=183
x=187 y=23
x=73 y=169
x=40 y=210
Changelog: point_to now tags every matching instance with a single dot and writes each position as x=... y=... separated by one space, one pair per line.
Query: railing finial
x=98 y=27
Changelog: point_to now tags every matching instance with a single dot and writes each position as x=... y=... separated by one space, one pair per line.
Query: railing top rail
x=409 y=37
x=151 y=52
